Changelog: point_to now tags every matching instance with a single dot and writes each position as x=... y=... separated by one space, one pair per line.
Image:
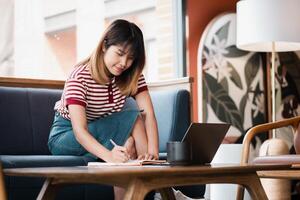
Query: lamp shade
x=261 y=22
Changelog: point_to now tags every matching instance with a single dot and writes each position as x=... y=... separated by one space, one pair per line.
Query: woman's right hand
x=118 y=154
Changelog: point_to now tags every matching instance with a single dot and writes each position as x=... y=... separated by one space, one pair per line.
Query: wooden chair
x=282 y=159
x=2 y=186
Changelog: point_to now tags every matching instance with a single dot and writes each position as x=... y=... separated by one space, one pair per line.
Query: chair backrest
x=2 y=186
x=264 y=128
x=260 y=129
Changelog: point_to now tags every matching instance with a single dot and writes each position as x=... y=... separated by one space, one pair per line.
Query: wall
x=199 y=13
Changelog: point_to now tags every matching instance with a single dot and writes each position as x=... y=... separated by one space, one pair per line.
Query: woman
x=89 y=117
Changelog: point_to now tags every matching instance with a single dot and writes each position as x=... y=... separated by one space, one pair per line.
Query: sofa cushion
x=16 y=161
x=41 y=106
x=29 y=187
x=288 y=159
x=25 y=119
x=14 y=122
x=73 y=192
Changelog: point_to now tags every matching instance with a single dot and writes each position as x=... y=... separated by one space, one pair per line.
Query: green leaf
x=235 y=77
x=257 y=91
x=205 y=49
x=234 y=52
x=222 y=33
x=204 y=104
x=221 y=103
x=205 y=112
x=224 y=84
x=243 y=104
x=292 y=63
x=252 y=67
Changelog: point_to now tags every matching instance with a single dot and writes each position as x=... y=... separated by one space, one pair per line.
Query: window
x=44 y=39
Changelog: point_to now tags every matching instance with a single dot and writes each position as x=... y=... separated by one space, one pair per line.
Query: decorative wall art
x=288 y=77
x=230 y=81
x=287 y=84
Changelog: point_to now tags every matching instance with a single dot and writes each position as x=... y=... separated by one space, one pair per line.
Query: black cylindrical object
x=178 y=153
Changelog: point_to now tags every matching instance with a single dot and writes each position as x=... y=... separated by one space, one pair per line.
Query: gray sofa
x=25 y=119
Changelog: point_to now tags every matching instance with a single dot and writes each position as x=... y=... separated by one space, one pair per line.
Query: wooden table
x=292 y=174
x=140 y=180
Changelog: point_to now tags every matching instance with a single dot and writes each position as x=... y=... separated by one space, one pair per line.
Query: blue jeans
x=117 y=127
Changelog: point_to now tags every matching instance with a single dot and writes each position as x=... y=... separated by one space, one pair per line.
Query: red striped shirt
x=99 y=100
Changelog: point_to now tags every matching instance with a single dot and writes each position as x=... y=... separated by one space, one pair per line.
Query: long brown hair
x=127 y=34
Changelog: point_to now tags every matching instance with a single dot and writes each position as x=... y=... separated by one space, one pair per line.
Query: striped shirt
x=99 y=100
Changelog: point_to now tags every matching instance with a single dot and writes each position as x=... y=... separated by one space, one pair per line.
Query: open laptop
x=205 y=139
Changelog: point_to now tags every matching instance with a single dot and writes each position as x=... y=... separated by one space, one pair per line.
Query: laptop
x=205 y=139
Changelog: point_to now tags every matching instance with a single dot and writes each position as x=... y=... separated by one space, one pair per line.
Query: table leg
x=166 y=193
x=255 y=188
x=240 y=192
x=48 y=191
x=136 y=190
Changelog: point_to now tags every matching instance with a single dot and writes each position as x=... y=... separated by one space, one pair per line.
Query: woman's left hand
x=148 y=156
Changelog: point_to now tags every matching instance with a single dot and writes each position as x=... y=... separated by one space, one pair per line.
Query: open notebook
x=129 y=163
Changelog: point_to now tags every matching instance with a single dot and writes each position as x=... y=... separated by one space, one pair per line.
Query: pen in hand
x=113 y=143
x=124 y=150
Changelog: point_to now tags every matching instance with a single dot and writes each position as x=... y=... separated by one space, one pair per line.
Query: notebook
x=129 y=163
x=205 y=139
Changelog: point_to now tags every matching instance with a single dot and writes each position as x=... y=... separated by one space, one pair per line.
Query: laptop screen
x=205 y=139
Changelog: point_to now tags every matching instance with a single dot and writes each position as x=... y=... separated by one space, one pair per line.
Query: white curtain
x=6 y=37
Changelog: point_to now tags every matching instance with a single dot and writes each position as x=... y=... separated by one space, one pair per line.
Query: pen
x=113 y=142
x=118 y=145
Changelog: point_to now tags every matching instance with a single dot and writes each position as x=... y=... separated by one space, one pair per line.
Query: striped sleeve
x=142 y=85
x=75 y=92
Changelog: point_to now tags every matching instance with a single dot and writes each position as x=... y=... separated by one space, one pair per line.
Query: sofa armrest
x=172 y=111
x=163 y=156
x=2 y=186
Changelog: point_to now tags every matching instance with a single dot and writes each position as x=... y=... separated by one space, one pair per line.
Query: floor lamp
x=269 y=26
